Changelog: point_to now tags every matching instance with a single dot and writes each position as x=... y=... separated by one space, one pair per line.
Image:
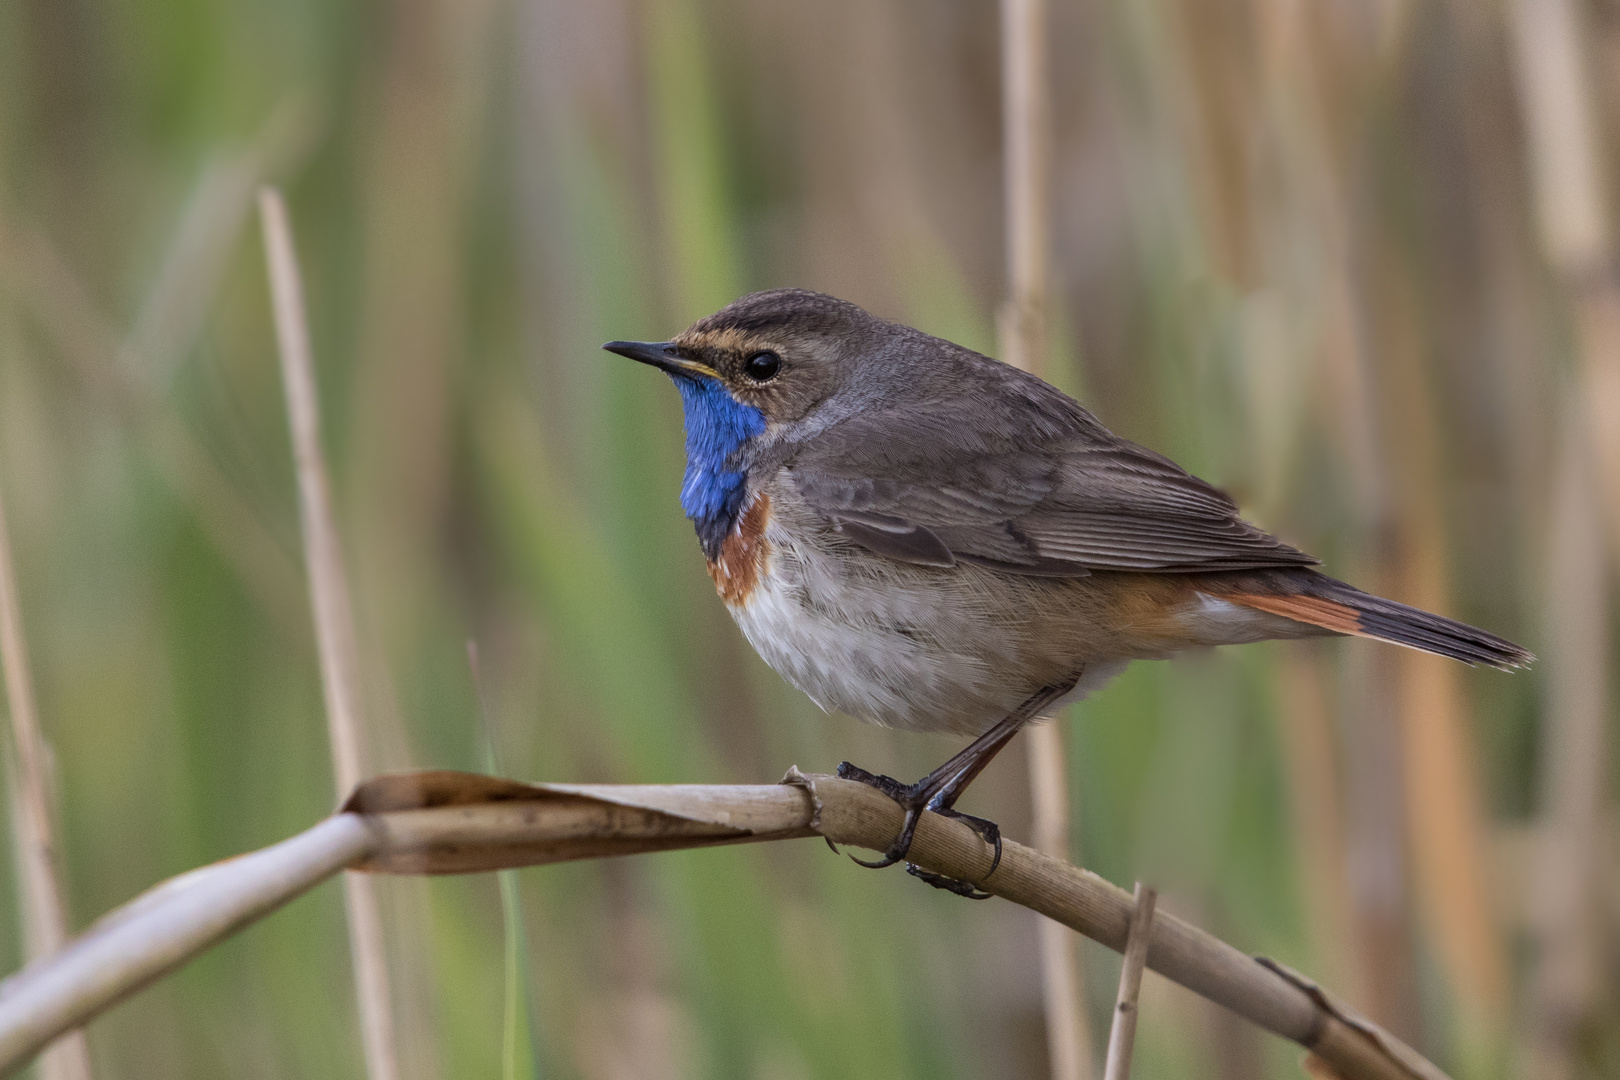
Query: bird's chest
x=744 y=555
x=860 y=634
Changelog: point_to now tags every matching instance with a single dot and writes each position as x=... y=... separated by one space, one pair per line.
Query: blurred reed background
x=1323 y=254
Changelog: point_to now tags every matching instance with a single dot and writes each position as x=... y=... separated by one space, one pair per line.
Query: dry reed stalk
x=1283 y=95
x=433 y=69
x=334 y=620
x=1314 y=87
x=1026 y=120
x=1122 y=1035
x=1068 y=1028
x=1446 y=827
x=1374 y=841
x=1577 y=239
x=431 y=76
x=1572 y=216
x=44 y=917
x=1449 y=831
x=436 y=823
x=1295 y=103
x=1316 y=810
x=162 y=929
x=1565 y=902
x=1364 y=355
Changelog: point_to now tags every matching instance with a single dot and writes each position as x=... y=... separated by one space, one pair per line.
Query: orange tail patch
x=1328 y=614
x=1364 y=615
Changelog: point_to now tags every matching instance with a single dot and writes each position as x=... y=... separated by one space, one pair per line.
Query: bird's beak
x=662 y=355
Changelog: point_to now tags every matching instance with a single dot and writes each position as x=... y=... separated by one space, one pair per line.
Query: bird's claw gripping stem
x=964 y=889
x=914 y=799
x=911 y=797
x=987 y=829
x=939 y=790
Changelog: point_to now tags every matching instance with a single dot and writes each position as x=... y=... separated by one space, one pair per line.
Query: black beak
x=660 y=354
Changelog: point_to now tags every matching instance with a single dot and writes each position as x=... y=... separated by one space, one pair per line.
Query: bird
x=925 y=538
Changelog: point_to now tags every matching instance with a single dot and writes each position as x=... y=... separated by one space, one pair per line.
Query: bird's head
x=771 y=367
x=776 y=355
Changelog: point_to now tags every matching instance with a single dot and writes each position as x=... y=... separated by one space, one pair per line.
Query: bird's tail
x=1318 y=600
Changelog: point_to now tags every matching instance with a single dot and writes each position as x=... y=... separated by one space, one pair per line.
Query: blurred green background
x=1295 y=247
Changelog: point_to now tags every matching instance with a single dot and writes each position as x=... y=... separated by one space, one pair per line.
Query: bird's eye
x=762 y=366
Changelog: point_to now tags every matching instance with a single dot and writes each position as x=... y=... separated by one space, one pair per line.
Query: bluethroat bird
x=926 y=538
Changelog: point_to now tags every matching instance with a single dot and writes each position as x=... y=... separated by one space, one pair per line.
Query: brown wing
x=934 y=489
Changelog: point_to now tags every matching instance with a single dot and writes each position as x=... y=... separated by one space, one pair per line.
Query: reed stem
x=1026 y=121
x=1122 y=1035
x=45 y=923
x=438 y=823
x=334 y=621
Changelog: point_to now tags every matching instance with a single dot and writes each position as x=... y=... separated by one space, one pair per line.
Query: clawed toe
x=902 y=843
x=989 y=830
x=951 y=885
x=939 y=790
x=888 y=858
x=904 y=794
x=914 y=798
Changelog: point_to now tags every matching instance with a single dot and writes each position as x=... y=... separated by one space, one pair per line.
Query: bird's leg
x=939 y=790
x=915 y=798
x=941 y=804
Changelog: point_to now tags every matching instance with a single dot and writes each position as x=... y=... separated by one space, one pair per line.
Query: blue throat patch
x=717 y=425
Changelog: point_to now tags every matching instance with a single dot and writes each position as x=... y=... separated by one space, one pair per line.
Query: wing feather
x=1075 y=499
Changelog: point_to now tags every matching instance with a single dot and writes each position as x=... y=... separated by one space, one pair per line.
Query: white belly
x=888 y=643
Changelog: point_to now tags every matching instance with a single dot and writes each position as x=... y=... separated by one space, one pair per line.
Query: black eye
x=762 y=366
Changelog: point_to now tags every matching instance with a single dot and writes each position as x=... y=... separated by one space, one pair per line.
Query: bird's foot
x=989 y=830
x=891 y=787
x=949 y=884
x=914 y=799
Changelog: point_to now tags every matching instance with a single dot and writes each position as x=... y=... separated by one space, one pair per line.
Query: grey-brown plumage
x=924 y=537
